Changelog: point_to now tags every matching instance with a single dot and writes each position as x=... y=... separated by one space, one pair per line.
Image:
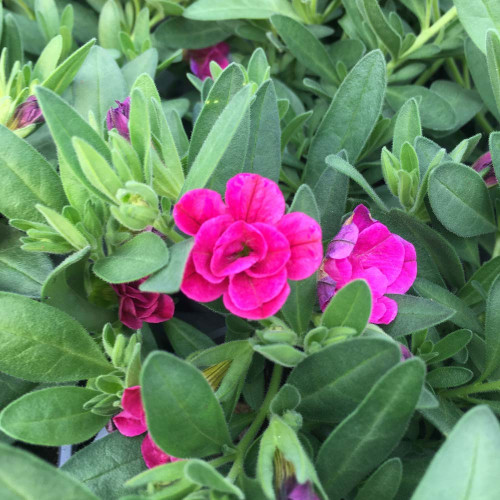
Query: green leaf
x=52 y=417
x=384 y=483
x=185 y=338
x=42 y=344
x=218 y=140
x=106 y=464
x=389 y=37
x=288 y=398
x=97 y=85
x=351 y=306
x=333 y=381
x=282 y=354
x=169 y=279
x=27 y=179
x=351 y=117
x=448 y=376
x=450 y=345
x=174 y=391
x=217 y=10
x=308 y=50
x=416 y=313
x=263 y=156
x=477 y=17
x=493 y=59
x=468 y=461
x=204 y=474
x=484 y=276
x=64 y=74
x=367 y=436
x=492 y=329
x=26 y=477
x=460 y=200
x=299 y=305
x=47 y=61
x=407 y=127
x=109 y=26
x=65 y=289
x=142 y=255
x=464 y=317
x=21 y=272
x=140 y=127
x=145 y=63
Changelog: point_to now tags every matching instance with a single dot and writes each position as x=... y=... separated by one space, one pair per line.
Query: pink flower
x=137 y=306
x=132 y=422
x=485 y=162
x=246 y=248
x=199 y=60
x=118 y=118
x=366 y=249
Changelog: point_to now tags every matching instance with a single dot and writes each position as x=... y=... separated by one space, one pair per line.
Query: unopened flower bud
x=27 y=113
x=118 y=118
x=485 y=162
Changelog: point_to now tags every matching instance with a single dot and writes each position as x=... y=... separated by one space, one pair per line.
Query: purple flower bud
x=27 y=113
x=405 y=352
x=199 y=60
x=326 y=290
x=302 y=492
x=485 y=162
x=118 y=118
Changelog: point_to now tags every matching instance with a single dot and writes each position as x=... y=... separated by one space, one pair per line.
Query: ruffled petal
x=264 y=311
x=375 y=279
x=326 y=291
x=362 y=218
x=252 y=198
x=237 y=249
x=205 y=241
x=408 y=272
x=384 y=311
x=339 y=270
x=196 y=287
x=128 y=314
x=153 y=455
x=195 y=208
x=163 y=311
x=343 y=244
x=249 y=293
x=132 y=420
x=128 y=425
x=304 y=236
x=278 y=252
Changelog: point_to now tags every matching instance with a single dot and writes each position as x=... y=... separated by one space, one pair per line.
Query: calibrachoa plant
x=249 y=250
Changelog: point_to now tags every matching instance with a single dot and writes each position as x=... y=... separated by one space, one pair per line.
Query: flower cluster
x=199 y=60
x=365 y=248
x=246 y=249
x=132 y=422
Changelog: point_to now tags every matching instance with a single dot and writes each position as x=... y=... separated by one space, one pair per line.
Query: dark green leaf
x=384 y=483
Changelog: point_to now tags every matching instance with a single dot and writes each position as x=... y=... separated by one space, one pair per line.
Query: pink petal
x=264 y=311
x=384 y=311
x=362 y=218
x=326 y=291
x=339 y=270
x=248 y=293
x=128 y=425
x=238 y=248
x=196 y=287
x=408 y=272
x=253 y=198
x=278 y=252
x=196 y=207
x=153 y=455
x=378 y=247
x=375 y=279
x=343 y=244
x=128 y=314
x=304 y=235
x=164 y=310
x=205 y=241
x=132 y=420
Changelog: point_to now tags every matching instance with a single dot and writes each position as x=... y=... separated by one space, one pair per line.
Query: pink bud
x=27 y=113
x=485 y=162
x=118 y=118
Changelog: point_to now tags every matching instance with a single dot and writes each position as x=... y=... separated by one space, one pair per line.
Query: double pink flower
x=246 y=249
x=199 y=59
x=132 y=422
x=365 y=248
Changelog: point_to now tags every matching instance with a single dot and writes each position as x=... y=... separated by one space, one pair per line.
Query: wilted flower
x=199 y=60
x=27 y=113
x=366 y=249
x=137 y=306
x=485 y=162
x=118 y=118
x=246 y=249
x=132 y=422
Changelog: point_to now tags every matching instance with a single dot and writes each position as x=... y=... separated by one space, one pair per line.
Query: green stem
x=455 y=72
x=248 y=438
x=217 y=462
x=472 y=389
x=496 y=250
x=429 y=72
x=484 y=123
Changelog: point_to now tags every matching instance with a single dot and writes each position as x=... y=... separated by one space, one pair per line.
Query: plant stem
x=217 y=462
x=455 y=72
x=471 y=389
x=248 y=438
x=484 y=123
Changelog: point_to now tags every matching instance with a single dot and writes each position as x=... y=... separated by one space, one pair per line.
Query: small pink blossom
x=199 y=60
x=137 y=306
x=132 y=422
x=485 y=162
x=246 y=249
x=366 y=249
x=118 y=118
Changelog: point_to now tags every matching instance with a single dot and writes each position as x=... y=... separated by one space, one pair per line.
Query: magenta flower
x=27 y=113
x=302 y=492
x=246 y=248
x=199 y=60
x=365 y=248
x=132 y=422
x=485 y=162
x=137 y=306
x=118 y=118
